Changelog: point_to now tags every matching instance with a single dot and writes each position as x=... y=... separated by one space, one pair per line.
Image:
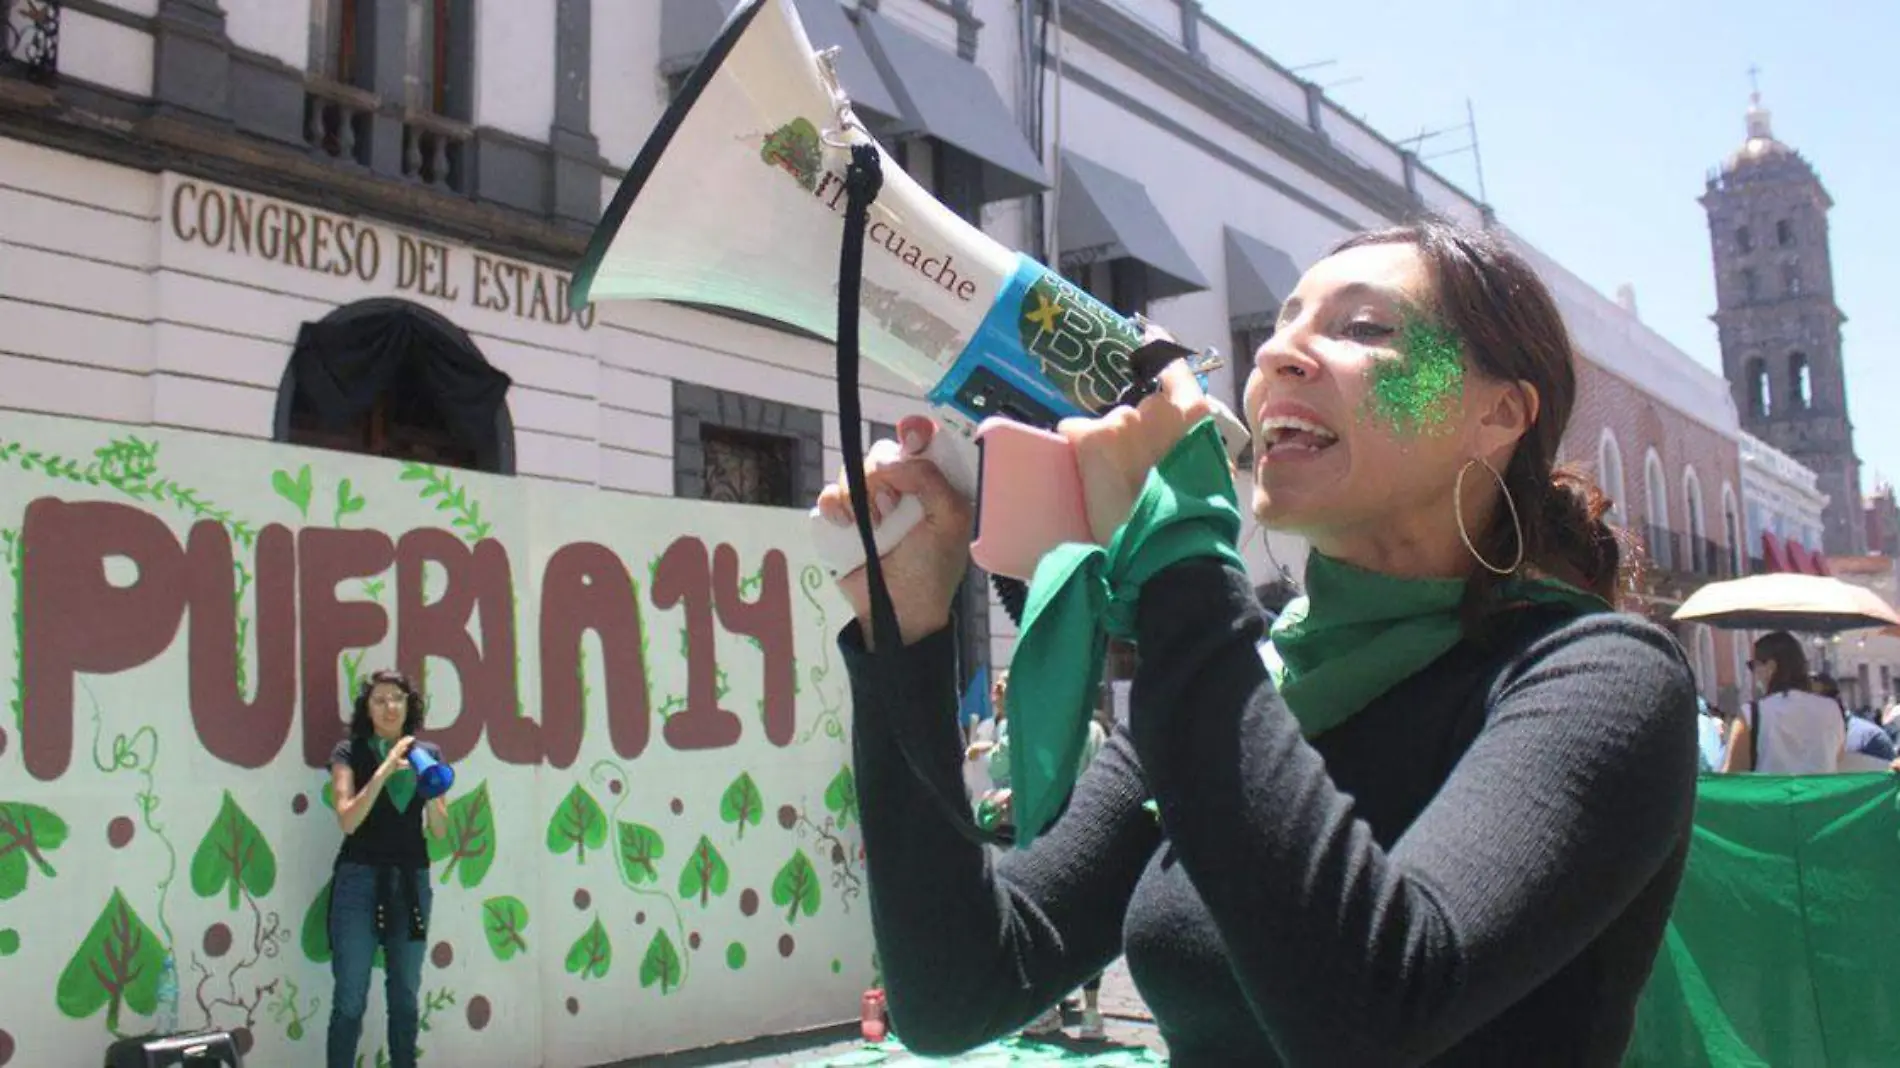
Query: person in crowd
x=1868 y=747
x=1790 y=730
x=1438 y=814
x=379 y=891
x=1712 y=727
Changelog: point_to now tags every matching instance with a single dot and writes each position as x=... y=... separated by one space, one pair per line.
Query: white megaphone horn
x=736 y=200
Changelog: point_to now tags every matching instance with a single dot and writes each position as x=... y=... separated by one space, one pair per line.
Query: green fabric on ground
x=1782 y=947
x=1009 y=1051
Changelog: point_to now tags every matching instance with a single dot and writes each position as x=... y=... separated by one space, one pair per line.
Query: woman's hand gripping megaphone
x=923 y=526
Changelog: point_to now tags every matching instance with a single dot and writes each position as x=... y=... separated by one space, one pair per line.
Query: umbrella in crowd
x=1783 y=601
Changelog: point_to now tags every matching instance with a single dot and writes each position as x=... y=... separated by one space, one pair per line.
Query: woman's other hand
x=398 y=753
x=1115 y=452
x=924 y=570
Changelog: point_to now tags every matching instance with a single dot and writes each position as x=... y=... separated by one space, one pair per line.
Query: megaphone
x=736 y=201
x=433 y=778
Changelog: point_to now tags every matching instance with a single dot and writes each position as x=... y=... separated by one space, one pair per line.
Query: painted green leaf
x=316 y=927
x=329 y=796
x=27 y=834
x=592 y=953
x=640 y=851
x=469 y=847
x=578 y=824
x=346 y=501
x=661 y=964
x=295 y=490
x=741 y=803
x=841 y=797
x=503 y=920
x=116 y=967
x=705 y=874
x=233 y=855
x=796 y=887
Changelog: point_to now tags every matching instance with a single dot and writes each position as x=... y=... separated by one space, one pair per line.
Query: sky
x=1598 y=124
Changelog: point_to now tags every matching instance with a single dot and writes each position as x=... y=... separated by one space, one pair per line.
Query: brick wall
x=1640 y=423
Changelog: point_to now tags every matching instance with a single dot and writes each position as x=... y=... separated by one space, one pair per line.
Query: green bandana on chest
x=1356 y=634
x=400 y=787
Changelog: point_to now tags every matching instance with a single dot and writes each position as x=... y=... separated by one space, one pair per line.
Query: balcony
x=29 y=40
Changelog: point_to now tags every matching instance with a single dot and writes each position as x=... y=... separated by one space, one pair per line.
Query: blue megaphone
x=433 y=778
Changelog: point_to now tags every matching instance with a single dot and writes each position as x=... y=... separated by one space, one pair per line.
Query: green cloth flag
x=1082 y=594
x=1782 y=948
x=401 y=786
x=1356 y=634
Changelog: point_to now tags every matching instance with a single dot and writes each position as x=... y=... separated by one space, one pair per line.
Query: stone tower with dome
x=1779 y=327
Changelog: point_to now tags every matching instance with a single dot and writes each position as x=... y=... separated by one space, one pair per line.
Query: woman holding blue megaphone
x=386 y=784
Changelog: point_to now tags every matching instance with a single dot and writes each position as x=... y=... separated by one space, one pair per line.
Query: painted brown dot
x=749 y=902
x=785 y=945
x=3 y=752
x=119 y=832
x=837 y=854
x=677 y=806
x=244 y=1040
x=217 y=940
x=693 y=940
x=582 y=898
x=639 y=917
x=300 y=804
x=787 y=816
x=613 y=787
x=479 y=1012
x=6 y=1048
x=442 y=955
x=573 y=1006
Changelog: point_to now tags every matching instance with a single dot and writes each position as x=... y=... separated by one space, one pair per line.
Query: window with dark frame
x=1784 y=233
x=1744 y=241
x=1121 y=283
x=1247 y=341
x=747 y=467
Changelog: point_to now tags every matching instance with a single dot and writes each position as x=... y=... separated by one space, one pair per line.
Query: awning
x=1772 y=557
x=1105 y=216
x=955 y=102
x=688 y=26
x=1259 y=279
x=1798 y=561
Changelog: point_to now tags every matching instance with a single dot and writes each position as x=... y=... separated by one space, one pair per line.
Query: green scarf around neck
x=1355 y=634
x=400 y=787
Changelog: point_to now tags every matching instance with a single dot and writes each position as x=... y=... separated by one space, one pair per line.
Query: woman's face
x=388 y=707
x=1362 y=405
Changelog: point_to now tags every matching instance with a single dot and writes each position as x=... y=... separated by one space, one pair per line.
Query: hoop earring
x=1458 y=511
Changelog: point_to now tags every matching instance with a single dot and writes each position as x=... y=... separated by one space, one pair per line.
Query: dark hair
x=1826 y=686
x=361 y=726
x=1783 y=651
x=1492 y=299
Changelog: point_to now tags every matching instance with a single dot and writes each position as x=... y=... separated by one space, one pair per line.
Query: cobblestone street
x=1132 y=1037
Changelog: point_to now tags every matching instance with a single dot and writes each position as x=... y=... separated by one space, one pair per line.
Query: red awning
x=1772 y=557
x=1798 y=559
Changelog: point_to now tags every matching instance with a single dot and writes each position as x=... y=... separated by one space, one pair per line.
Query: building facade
x=1779 y=327
x=1785 y=507
x=1657 y=432
x=325 y=244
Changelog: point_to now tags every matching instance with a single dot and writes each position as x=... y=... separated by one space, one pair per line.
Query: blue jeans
x=352 y=951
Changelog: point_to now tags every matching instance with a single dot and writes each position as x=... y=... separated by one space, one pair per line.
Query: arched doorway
x=386 y=377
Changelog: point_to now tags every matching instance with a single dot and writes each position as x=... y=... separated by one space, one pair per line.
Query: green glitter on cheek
x=1418 y=393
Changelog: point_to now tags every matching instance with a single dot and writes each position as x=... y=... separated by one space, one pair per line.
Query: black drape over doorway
x=407 y=367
